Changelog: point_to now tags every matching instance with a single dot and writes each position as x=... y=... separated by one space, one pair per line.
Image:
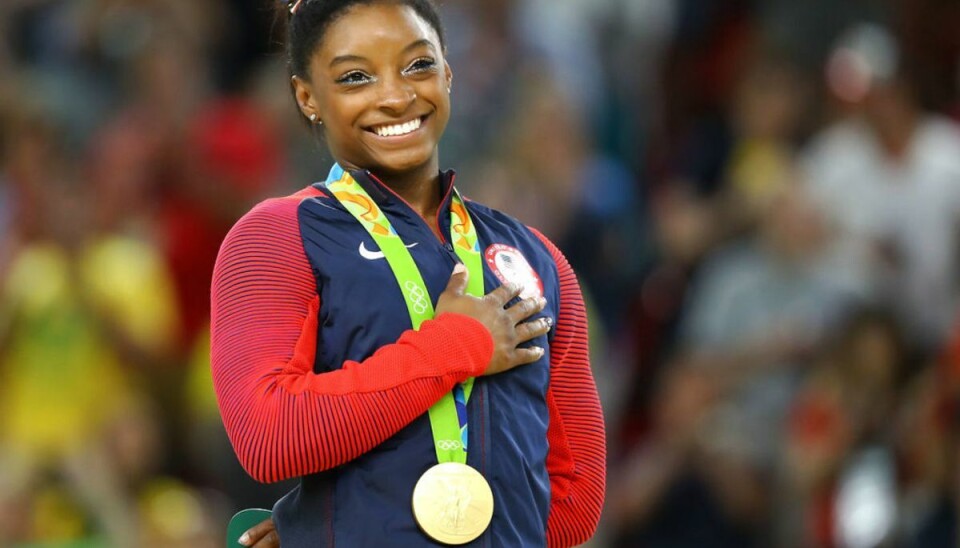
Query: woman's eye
x=422 y=65
x=353 y=78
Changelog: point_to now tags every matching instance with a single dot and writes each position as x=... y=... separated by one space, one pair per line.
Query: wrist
x=470 y=339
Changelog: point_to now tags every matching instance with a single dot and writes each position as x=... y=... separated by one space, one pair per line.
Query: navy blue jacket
x=316 y=369
x=366 y=501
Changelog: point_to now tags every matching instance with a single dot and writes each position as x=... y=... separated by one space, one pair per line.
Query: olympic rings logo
x=449 y=445
x=417 y=297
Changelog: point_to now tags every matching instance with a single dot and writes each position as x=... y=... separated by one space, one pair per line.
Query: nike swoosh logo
x=374 y=255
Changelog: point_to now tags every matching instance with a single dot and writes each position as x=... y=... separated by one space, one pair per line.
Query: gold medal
x=452 y=503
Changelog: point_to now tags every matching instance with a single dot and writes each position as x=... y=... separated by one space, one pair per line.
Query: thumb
x=458 y=280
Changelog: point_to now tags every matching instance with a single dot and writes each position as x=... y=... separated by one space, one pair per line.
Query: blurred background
x=761 y=199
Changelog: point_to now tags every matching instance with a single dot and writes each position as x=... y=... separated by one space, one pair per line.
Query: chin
x=403 y=161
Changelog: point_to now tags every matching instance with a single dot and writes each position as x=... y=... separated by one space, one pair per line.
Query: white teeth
x=398 y=129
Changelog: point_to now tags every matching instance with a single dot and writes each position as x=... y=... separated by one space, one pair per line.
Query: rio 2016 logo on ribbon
x=449 y=445
x=416 y=296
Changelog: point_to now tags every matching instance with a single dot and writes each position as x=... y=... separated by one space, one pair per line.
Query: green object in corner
x=241 y=521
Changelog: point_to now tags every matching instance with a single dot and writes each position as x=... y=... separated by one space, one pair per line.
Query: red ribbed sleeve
x=577 y=458
x=282 y=419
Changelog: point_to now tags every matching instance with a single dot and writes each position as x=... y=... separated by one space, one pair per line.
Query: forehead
x=379 y=28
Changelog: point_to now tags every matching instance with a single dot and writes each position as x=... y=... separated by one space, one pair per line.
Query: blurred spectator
x=887 y=176
x=692 y=139
x=63 y=382
x=865 y=461
x=758 y=308
x=685 y=228
x=765 y=114
x=230 y=159
x=89 y=319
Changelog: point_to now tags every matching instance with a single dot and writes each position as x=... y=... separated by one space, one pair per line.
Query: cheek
x=341 y=116
x=445 y=102
x=342 y=109
x=442 y=104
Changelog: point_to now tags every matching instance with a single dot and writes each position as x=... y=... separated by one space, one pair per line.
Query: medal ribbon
x=448 y=417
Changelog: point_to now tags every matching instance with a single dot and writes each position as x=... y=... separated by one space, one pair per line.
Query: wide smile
x=399 y=130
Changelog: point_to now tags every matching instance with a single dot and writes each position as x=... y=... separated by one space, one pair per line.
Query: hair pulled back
x=309 y=21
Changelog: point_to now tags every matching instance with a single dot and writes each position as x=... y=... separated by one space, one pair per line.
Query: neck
x=421 y=191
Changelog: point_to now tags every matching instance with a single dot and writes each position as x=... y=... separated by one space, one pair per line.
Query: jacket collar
x=384 y=195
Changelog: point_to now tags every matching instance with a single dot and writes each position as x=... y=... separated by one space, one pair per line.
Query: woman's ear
x=448 y=73
x=306 y=100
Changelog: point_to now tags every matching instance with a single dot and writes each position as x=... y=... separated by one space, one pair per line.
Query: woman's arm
x=282 y=419
x=577 y=458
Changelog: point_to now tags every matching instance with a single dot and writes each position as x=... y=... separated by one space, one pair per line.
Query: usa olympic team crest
x=511 y=266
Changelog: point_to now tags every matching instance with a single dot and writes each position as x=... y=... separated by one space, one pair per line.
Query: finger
x=503 y=294
x=526 y=308
x=269 y=541
x=533 y=329
x=257 y=532
x=527 y=355
x=458 y=280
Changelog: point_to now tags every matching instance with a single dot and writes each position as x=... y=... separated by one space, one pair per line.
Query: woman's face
x=379 y=83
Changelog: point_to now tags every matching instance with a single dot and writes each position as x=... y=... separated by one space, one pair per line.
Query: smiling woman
x=417 y=360
x=380 y=86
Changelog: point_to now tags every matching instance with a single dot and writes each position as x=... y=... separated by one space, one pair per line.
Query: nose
x=396 y=95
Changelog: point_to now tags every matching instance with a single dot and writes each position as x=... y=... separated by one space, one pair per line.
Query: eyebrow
x=357 y=58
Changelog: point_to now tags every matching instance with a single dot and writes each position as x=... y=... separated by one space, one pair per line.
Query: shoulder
x=839 y=137
x=504 y=224
x=493 y=216
x=265 y=241
x=271 y=227
x=514 y=247
x=272 y=214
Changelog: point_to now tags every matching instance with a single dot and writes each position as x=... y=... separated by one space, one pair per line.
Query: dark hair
x=306 y=27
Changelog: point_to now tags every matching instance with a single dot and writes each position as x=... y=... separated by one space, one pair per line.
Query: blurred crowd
x=761 y=199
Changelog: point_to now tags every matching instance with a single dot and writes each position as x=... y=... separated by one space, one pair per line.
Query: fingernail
x=459 y=268
x=542 y=301
x=244 y=539
x=549 y=321
x=539 y=351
